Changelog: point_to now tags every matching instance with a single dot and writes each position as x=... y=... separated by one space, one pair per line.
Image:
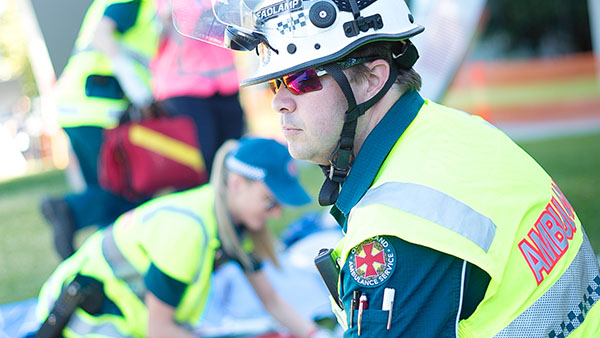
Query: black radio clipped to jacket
x=330 y=272
x=83 y=291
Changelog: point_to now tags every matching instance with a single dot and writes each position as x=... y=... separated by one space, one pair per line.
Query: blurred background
x=531 y=67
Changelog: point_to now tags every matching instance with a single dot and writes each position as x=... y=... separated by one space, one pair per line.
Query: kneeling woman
x=148 y=274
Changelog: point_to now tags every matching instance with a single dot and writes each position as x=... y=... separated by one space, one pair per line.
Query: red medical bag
x=138 y=159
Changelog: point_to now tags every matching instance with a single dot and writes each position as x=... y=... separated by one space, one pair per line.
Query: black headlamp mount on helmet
x=238 y=39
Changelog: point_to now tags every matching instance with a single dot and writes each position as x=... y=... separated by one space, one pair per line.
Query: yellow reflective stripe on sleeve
x=195 y=218
x=166 y=146
x=138 y=57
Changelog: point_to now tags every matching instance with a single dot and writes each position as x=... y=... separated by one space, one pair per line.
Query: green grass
x=27 y=257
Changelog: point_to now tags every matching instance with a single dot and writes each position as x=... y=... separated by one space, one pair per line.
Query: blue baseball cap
x=269 y=161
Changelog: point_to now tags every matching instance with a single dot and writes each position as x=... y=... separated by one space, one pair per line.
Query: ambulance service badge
x=372 y=262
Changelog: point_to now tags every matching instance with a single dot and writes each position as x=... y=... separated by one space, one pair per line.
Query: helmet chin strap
x=342 y=157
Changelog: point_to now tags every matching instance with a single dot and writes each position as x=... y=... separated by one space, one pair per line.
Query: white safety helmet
x=292 y=35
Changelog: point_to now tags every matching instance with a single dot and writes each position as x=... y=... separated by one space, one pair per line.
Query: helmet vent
x=344 y=5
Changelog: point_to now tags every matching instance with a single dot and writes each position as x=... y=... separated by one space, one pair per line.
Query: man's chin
x=297 y=152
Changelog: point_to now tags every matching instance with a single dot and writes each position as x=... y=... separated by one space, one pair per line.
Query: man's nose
x=283 y=101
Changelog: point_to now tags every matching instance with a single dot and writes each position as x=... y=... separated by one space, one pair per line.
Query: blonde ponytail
x=262 y=239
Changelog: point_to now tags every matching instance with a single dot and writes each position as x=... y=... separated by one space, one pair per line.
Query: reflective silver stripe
x=435 y=206
x=120 y=266
x=196 y=218
x=561 y=309
x=124 y=270
x=82 y=328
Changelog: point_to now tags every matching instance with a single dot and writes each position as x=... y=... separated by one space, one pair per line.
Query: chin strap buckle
x=337 y=171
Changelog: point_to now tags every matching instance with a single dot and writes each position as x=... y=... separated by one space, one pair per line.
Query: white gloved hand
x=136 y=90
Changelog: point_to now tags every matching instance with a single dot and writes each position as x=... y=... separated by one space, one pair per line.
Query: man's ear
x=379 y=70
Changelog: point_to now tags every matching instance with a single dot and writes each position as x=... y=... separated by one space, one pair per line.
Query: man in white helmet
x=451 y=230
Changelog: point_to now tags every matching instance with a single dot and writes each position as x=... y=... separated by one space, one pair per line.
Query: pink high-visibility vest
x=187 y=67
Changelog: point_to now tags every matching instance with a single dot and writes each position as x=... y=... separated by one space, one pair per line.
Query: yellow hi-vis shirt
x=77 y=108
x=458 y=185
x=177 y=233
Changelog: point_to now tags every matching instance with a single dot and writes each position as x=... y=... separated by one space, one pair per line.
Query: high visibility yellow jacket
x=456 y=184
x=86 y=92
x=177 y=233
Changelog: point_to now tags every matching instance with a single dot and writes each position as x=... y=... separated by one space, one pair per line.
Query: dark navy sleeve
x=165 y=288
x=124 y=14
x=427 y=286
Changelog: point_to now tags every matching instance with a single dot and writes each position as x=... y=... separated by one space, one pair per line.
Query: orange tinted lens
x=274 y=85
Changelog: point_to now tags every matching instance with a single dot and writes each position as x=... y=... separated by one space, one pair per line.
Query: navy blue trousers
x=217 y=119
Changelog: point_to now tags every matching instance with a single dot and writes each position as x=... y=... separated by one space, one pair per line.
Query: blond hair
x=262 y=239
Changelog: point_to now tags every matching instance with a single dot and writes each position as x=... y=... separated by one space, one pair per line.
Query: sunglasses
x=299 y=83
x=307 y=80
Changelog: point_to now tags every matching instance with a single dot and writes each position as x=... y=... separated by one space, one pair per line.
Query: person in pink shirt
x=199 y=80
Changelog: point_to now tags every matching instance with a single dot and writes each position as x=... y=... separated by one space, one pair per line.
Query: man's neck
x=373 y=116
